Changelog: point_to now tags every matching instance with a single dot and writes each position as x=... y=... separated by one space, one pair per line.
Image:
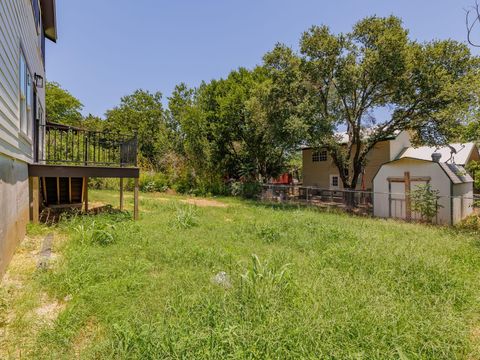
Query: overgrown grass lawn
x=248 y=280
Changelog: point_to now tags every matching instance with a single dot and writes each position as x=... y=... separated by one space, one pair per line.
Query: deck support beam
x=121 y=194
x=85 y=193
x=35 y=204
x=135 y=200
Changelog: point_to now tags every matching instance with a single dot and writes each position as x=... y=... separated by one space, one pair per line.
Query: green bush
x=425 y=202
x=184 y=183
x=248 y=190
x=185 y=216
x=103 y=230
x=471 y=223
x=153 y=182
x=103 y=183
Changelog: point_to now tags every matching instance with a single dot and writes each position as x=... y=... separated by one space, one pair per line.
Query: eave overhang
x=49 y=19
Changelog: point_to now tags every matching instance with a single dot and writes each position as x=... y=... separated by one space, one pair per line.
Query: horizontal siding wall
x=14 y=207
x=17 y=31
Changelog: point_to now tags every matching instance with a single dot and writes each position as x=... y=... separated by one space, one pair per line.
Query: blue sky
x=108 y=48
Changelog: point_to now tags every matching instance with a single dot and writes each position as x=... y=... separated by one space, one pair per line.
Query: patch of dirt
x=88 y=335
x=96 y=204
x=23 y=308
x=475 y=341
x=205 y=203
x=49 y=310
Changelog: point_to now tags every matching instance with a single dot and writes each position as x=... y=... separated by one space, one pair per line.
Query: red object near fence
x=284 y=179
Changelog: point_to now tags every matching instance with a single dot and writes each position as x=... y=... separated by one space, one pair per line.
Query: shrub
x=248 y=190
x=100 y=230
x=185 y=216
x=268 y=234
x=425 y=202
x=104 y=183
x=153 y=182
x=471 y=223
x=263 y=282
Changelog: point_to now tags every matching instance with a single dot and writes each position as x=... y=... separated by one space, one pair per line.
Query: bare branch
x=475 y=12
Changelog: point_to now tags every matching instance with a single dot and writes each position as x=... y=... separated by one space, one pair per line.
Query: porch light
x=38 y=80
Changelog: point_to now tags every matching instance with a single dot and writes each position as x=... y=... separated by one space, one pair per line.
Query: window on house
x=319 y=156
x=26 y=98
x=29 y=105
x=334 y=181
x=36 y=14
x=23 y=94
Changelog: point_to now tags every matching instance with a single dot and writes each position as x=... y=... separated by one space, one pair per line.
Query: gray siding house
x=24 y=26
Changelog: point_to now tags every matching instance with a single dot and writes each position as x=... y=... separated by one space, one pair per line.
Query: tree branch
x=476 y=13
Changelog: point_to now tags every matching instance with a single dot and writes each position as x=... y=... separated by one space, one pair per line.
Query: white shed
x=454 y=184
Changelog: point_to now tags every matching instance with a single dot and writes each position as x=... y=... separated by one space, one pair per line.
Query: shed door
x=397 y=199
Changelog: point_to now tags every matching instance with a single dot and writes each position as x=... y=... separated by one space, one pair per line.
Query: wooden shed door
x=398 y=204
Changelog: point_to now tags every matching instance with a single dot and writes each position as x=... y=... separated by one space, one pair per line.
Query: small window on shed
x=320 y=155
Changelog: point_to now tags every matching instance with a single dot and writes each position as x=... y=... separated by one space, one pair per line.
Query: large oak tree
x=371 y=83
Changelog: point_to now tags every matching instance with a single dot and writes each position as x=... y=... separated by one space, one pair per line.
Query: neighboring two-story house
x=320 y=171
x=24 y=26
x=394 y=168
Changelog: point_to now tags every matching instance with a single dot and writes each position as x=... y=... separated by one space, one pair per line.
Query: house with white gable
x=444 y=168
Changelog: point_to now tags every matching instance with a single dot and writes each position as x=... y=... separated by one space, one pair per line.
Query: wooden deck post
x=121 y=194
x=69 y=190
x=408 y=199
x=85 y=193
x=135 y=200
x=35 y=183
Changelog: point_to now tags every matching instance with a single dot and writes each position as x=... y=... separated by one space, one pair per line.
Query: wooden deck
x=66 y=194
x=40 y=170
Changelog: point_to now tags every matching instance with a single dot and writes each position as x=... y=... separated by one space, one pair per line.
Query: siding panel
x=17 y=32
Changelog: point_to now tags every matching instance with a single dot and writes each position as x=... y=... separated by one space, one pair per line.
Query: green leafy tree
x=61 y=106
x=141 y=113
x=250 y=138
x=474 y=169
x=340 y=82
x=92 y=122
x=228 y=128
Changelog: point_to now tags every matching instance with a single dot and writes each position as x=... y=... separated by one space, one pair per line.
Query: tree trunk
x=349 y=197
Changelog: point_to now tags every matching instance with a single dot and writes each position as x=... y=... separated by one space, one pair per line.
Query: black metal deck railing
x=74 y=146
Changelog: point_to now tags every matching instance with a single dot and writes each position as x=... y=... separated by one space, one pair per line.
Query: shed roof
x=456 y=173
x=461 y=157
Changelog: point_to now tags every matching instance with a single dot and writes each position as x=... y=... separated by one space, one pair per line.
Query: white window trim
x=319 y=155
x=331 y=181
x=25 y=129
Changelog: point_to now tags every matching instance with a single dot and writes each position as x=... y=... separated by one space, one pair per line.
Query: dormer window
x=320 y=155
